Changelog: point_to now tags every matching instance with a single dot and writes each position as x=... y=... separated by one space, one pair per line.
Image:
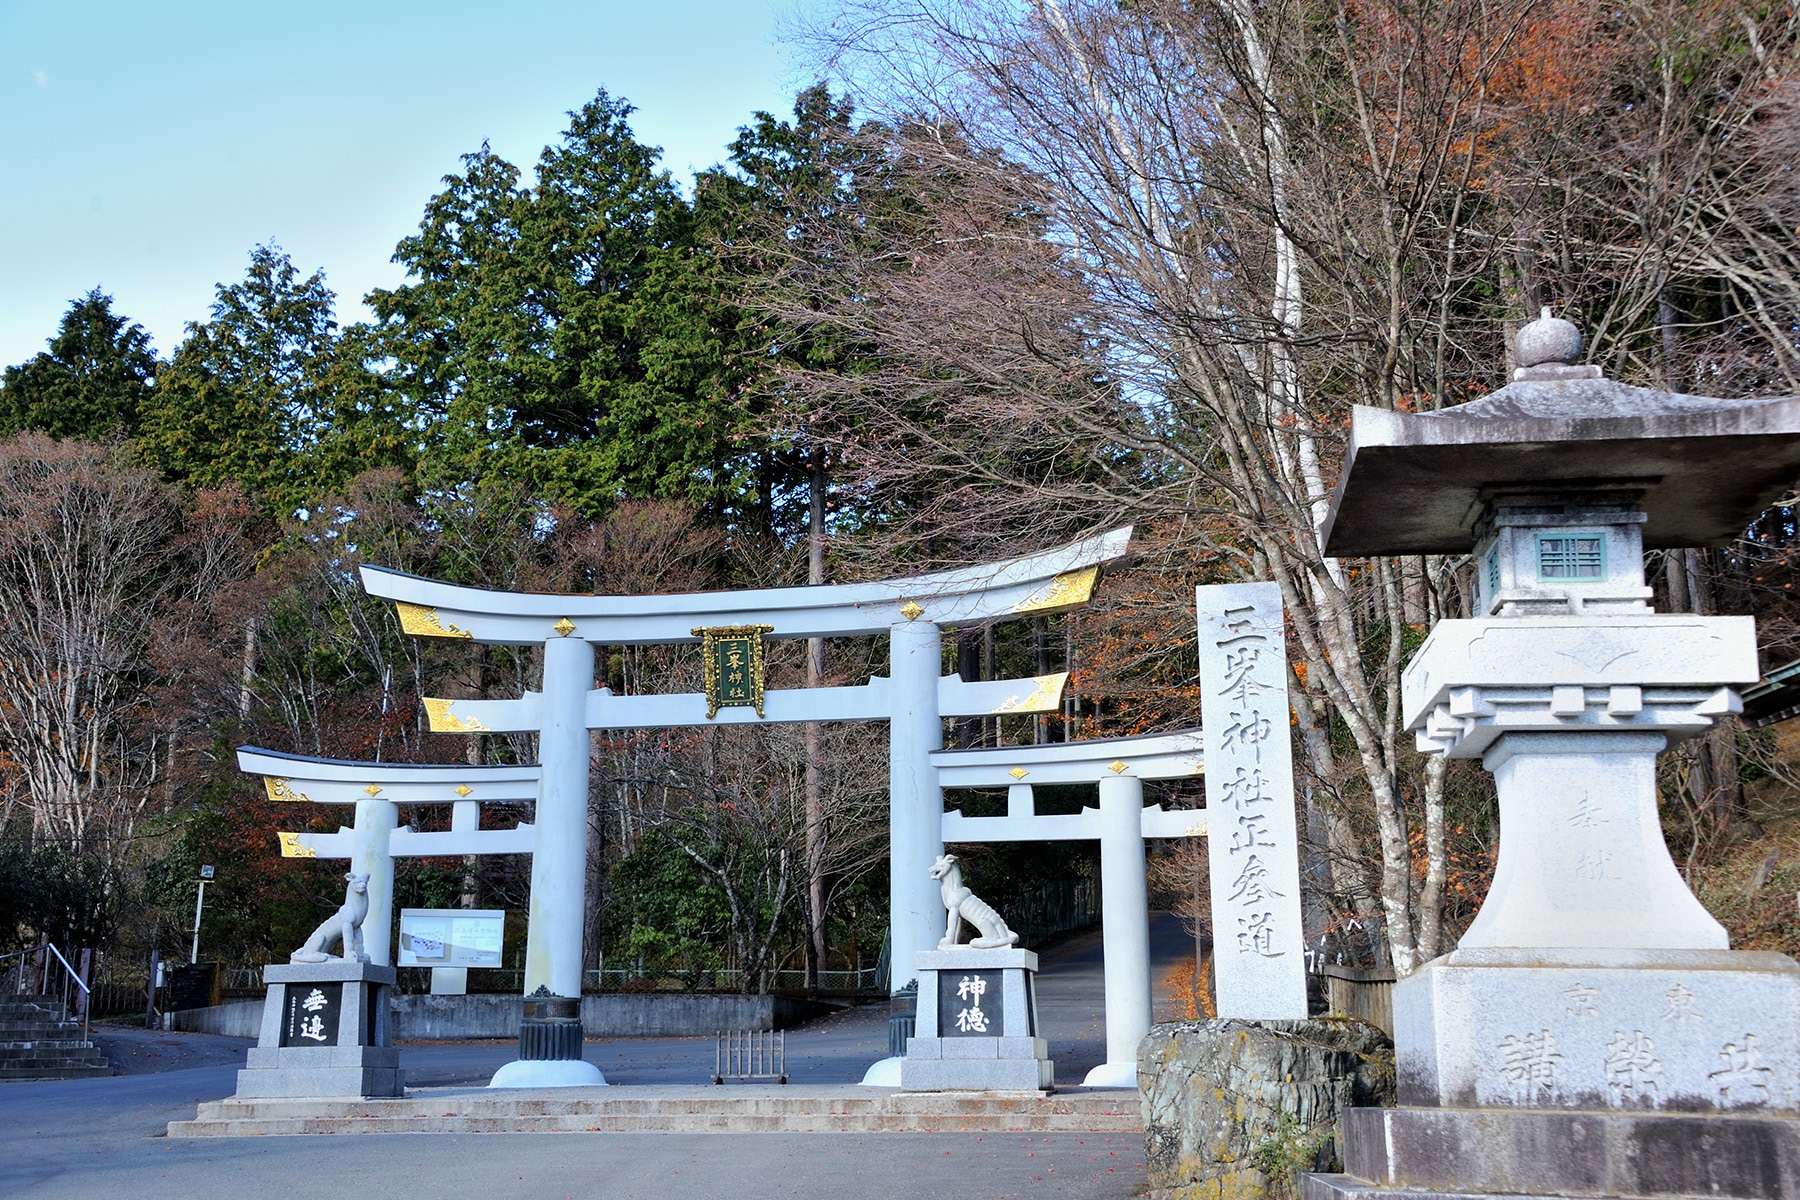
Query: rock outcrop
x=1237 y=1109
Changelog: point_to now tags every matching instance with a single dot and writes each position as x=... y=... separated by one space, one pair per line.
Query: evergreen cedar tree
x=888 y=315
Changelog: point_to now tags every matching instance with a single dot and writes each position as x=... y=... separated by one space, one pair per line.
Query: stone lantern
x=1591 y=1034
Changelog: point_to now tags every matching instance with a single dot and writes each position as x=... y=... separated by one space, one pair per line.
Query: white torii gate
x=912 y=612
x=377 y=790
x=1119 y=767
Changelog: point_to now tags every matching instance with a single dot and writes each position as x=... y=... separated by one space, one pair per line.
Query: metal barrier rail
x=750 y=1054
x=1053 y=908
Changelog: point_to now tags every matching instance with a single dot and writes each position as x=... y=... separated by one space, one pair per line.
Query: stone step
x=1572 y=1153
x=42 y=1022
x=675 y=1110
x=49 y=1046
x=22 y=1032
x=13 y=1049
x=82 y=1050
x=1346 y=1187
x=57 y=1071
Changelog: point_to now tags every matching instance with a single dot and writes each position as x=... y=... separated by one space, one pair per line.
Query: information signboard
x=451 y=937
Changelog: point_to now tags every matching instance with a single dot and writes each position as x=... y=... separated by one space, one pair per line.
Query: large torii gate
x=912 y=612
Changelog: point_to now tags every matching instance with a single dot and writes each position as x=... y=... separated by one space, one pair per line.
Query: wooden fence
x=1367 y=995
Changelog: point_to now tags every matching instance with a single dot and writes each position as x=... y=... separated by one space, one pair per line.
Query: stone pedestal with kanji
x=977 y=1025
x=326 y=1031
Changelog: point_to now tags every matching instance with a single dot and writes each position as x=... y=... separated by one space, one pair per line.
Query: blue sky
x=148 y=146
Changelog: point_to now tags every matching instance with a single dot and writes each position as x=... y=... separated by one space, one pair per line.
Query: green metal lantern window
x=1572 y=557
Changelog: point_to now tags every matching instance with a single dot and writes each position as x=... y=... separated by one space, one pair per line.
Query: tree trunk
x=815 y=781
x=247 y=677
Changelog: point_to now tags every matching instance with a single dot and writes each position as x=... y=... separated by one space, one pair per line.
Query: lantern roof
x=1701 y=468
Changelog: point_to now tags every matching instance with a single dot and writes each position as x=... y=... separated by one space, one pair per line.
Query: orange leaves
x=1472 y=82
x=1469 y=865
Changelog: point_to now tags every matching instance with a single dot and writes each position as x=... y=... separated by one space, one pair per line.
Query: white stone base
x=1112 y=1075
x=1008 y=1057
x=977 y=1074
x=548 y=1073
x=885 y=1073
x=1630 y=1030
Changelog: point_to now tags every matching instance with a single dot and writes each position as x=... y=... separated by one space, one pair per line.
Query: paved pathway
x=104 y=1137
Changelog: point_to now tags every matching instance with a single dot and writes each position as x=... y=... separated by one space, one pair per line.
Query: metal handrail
x=73 y=975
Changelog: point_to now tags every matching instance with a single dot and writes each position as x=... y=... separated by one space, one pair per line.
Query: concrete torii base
x=885 y=1073
x=548 y=1073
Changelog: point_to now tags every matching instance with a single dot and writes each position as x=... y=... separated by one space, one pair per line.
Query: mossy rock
x=1237 y=1109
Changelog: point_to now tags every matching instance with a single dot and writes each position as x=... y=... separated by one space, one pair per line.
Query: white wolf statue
x=345 y=924
x=965 y=905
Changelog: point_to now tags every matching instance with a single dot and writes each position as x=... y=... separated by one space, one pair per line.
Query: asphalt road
x=102 y=1138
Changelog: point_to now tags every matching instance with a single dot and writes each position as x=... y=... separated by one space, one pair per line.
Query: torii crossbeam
x=377 y=790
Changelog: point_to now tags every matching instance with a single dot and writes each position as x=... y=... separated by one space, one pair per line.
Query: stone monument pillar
x=977 y=1011
x=977 y=1024
x=1253 y=847
x=1591 y=1034
x=326 y=1027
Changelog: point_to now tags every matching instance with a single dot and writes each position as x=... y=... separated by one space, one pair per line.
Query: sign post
x=206 y=874
x=1254 y=847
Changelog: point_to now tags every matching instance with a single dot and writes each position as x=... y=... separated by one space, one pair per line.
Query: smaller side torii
x=377 y=839
x=1119 y=767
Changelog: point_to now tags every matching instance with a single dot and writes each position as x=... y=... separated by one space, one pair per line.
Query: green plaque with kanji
x=734 y=666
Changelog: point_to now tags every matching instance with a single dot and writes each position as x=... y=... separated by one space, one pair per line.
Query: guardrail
x=750 y=1054
x=1053 y=908
x=866 y=981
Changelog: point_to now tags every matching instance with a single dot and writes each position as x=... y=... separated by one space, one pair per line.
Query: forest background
x=1062 y=266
